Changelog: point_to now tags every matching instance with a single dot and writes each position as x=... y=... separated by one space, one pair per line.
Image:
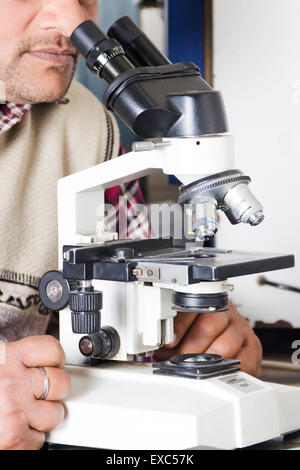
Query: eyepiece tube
x=104 y=56
x=86 y=36
x=138 y=47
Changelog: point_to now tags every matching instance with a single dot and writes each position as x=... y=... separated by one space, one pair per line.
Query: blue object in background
x=186 y=36
x=186 y=31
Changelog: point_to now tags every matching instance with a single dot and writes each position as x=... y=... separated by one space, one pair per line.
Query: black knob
x=54 y=290
x=85 y=307
x=104 y=344
x=86 y=301
x=86 y=323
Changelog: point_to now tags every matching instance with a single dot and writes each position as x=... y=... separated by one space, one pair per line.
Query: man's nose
x=61 y=15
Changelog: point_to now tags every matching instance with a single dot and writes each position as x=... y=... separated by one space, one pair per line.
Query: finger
x=228 y=344
x=59 y=383
x=182 y=323
x=36 y=351
x=21 y=439
x=46 y=415
x=250 y=357
x=34 y=440
x=203 y=332
x=164 y=354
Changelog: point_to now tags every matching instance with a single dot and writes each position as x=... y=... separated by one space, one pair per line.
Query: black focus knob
x=86 y=301
x=54 y=290
x=104 y=344
x=85 y=307
x=86 y=323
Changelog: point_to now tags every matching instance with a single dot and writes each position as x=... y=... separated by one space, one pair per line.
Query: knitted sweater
x=50 y=142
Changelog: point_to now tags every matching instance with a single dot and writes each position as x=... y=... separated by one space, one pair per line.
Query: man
x=52 y=131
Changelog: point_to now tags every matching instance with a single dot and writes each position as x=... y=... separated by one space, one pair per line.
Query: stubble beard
x=22 y=89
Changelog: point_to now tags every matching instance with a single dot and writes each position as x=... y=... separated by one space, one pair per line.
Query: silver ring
x=46 y=383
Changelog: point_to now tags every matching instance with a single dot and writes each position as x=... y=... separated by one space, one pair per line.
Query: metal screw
x=137 y=272
x=54 y=291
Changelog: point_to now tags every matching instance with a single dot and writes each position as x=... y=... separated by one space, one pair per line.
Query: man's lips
x=55 y=56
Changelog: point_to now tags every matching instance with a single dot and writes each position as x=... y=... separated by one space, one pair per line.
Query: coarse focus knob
x=86 y=301
x=85 y=307
x=86 y=323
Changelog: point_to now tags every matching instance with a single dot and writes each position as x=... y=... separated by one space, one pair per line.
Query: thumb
x=182 y=323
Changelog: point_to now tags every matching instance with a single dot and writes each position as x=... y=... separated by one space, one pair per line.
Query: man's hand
x=227 y=334
x=23 y=418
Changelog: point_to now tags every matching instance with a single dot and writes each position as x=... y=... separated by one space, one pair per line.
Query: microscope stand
x=125 y=406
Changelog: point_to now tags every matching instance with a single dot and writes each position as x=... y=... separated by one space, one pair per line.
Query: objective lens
x=231 y=192
x=243 y=206
x=204 y=213
x=104 y=56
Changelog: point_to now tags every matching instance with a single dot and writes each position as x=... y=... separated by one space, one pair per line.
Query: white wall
x=257 y=68
x=152 y=22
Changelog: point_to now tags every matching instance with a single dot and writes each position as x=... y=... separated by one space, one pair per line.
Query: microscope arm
x=81 y=195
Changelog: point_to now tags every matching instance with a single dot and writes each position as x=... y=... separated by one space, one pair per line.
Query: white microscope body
x=187 y=402
x=142 y=315
x=142 y=410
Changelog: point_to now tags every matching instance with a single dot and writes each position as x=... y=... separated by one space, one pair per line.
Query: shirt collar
x=12 y=113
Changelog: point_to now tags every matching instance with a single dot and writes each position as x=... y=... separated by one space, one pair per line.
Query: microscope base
x=124 y=406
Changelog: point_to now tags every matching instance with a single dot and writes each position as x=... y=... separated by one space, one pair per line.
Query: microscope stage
x=118 y=261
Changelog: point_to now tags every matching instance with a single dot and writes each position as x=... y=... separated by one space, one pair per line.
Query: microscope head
x=154 y=98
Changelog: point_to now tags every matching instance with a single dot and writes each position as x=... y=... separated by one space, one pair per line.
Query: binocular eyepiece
x=152 y=96
x=104 y=56
x=125 y=47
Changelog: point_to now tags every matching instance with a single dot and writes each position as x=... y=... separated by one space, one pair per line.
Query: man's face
x=37 y=60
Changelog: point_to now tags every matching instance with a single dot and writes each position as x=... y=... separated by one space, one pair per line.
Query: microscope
x=118 y=298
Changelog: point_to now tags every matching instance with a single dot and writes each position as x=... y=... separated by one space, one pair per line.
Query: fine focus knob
x=103 y=345
x=85 y=307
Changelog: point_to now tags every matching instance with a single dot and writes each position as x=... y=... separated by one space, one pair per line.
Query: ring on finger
x=46 y=383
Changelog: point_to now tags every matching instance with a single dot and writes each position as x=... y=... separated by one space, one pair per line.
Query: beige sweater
x=51 y=141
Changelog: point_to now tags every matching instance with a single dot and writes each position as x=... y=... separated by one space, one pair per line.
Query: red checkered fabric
x=11 y=114
x=129 y=215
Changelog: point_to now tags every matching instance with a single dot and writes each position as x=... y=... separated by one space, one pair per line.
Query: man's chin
x=48 y=96
x=37 y=92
